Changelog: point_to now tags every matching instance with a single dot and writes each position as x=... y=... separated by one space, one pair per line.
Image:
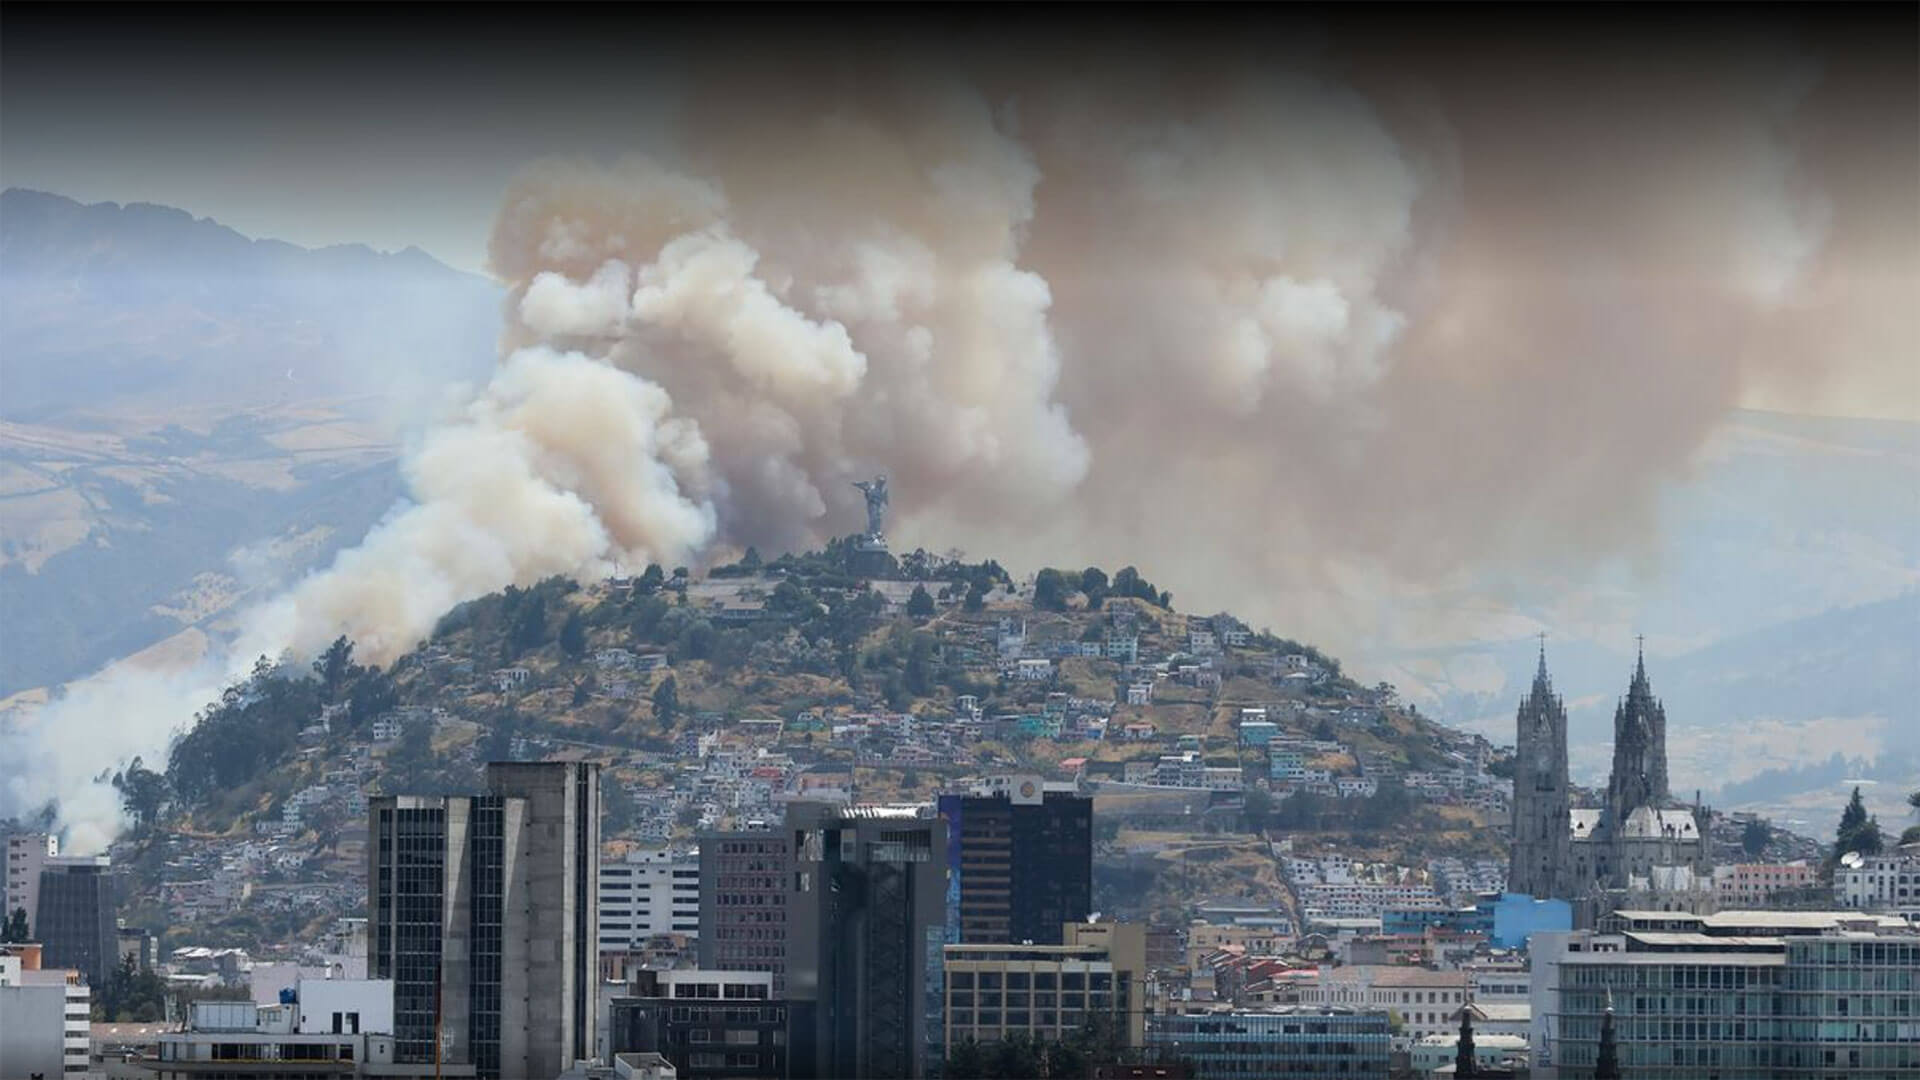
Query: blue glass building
x=1280 y=1042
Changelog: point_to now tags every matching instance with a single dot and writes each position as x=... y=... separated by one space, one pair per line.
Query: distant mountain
x=104 y=305
x=189 y=415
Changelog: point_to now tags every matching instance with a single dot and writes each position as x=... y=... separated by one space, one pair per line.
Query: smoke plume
x=1288 y=326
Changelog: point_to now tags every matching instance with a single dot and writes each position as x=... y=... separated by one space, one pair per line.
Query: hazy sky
x=406 y=130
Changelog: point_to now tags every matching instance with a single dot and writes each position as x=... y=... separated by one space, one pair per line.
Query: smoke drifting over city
x=1288 y=323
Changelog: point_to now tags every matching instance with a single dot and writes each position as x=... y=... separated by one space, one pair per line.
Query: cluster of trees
x=1053 y=588
x=254 y=726
x=1861 y=832
x=132 y=995
x=1025 y=1057
x=1858 y=831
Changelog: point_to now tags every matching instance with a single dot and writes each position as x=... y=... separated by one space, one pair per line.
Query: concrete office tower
x=482 y=911
x=866 y=926
x=1020 y=861
x=745 y=881
x=1049 y=992
x=75 y=919
x=27 y=854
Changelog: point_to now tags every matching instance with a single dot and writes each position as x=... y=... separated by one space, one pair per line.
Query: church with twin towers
x=1639 y=843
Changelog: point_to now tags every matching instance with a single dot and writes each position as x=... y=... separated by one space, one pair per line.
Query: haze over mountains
x=189 y=415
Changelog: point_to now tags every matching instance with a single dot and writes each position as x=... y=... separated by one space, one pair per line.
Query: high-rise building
x=75 y=917
x=648 y=893
x=1049 y=992
x=866 y=927
x=1020 y=861
x=27 y=854
x=1733 y=994
x=745 y=880
x=482 y=911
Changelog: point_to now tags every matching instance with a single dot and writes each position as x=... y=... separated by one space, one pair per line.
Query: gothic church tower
x=1639 y=775
x=1542 y=859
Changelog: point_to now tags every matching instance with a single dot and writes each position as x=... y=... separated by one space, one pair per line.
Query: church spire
x=1607 y=1064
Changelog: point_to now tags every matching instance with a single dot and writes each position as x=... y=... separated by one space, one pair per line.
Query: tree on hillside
x=650 y=580
x=142 y=793
x=1755 y=837
x=920 y=605
x=573 y=635
x=976 y=599
x=527 y=629
x=334 y=667
x=666 y=702
x=1050 y=590
x=1857 y=831
x=1093 y=582
x=1257 y=810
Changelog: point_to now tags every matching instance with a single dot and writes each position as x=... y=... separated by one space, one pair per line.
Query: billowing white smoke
x=1280 y=342
x=564 y=465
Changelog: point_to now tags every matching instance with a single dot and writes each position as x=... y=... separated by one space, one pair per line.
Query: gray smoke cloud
x=1291 y=331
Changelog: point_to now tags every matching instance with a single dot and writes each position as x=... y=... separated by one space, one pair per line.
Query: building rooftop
x=1649 y=958
x=1669 y=939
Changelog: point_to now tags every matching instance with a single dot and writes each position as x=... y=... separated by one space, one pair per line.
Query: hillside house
x=1357 y=787
x=1139 y=731
x=1257 y=732
x=614 y=660
x=1123 y=647
x=1140 y=693
x=1033 y=670
x=511 y=678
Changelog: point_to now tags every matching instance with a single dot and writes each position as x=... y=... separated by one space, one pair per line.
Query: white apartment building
x=27 y=855
x=1889 y=882
x=43 y=1017
x=649 y=892
x=335 y=1027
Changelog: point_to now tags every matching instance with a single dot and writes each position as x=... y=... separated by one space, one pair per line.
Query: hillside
x=713 y=700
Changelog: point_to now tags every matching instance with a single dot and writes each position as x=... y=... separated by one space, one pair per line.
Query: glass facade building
x=1283 y=1042
x=1021 y=861
x=1688 y=1006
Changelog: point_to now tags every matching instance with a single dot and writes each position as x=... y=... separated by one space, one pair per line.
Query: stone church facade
x=1639 y=844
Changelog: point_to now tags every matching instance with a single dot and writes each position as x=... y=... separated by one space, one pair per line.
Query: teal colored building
x=1517 y=917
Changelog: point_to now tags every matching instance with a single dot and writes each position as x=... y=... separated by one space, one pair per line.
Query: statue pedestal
x=871 y=558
